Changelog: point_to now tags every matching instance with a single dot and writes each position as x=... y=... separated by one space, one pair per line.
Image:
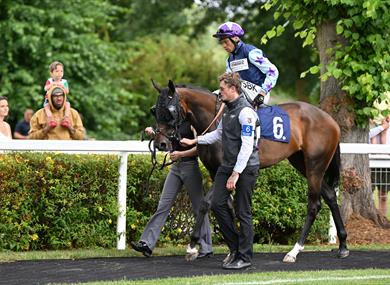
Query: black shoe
x=204 y=254
x=142 y=247
x=229 y=258
x=237 y=264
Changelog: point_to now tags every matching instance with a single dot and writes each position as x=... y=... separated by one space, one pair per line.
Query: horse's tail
x=332 y=174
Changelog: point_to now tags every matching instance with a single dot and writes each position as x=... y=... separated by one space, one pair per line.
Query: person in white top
x=378 y=134
x=5 y=129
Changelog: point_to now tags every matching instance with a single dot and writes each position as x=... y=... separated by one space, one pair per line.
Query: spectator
x=185 y=171
x=5 y=129
x=380 y=177
x=384 y=105
x=40 y=127
x=23 y=127
x=56 y=73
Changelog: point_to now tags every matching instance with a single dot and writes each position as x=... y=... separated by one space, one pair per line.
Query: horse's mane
x=194 y=87
x=163 y=114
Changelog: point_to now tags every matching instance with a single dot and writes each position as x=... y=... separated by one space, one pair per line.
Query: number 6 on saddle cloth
x=274 y=124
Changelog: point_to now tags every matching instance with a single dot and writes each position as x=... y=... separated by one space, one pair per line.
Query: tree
x=352 y=38
x=166 y=57
x=33 y=34
x=140 y=18
x=110 y=51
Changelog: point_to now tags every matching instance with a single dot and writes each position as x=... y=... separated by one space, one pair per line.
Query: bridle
x=169 y=111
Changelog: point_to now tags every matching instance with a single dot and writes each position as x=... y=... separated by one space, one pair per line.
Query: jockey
x=258 y=74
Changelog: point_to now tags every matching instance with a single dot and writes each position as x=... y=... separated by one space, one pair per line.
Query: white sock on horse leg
x=297 y=249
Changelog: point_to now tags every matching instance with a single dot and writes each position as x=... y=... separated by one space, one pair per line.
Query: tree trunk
x=357 y=195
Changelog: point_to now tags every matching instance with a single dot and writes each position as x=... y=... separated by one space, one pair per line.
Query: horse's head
x=169 y=116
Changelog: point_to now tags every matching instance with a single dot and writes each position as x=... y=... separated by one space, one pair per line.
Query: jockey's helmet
x=229 y=30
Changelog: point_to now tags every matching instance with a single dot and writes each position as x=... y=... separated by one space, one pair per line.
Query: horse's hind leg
x=314 y=207
x=330 y=198
x=313 y=170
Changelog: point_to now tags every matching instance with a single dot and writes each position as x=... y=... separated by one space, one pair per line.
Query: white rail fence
x=121 y=148
x=379 y=157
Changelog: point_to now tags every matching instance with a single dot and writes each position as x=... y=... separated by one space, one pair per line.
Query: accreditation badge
x=239 y=65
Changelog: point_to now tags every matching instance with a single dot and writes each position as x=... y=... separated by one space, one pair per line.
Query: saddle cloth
x=274 y=123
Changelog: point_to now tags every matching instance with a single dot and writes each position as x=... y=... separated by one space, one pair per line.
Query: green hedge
x=62 y=201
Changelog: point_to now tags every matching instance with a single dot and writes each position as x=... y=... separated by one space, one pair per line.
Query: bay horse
x=313 y=150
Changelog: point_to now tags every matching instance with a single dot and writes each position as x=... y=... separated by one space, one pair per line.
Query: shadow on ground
x=131 y=268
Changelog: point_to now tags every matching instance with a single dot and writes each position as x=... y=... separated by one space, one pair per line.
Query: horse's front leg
x=314 y=207
x=192 y=251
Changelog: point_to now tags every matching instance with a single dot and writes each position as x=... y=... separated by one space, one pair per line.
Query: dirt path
x=364 y=231
x=131 y=268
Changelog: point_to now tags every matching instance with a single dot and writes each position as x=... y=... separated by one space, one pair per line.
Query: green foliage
x=142 y=18
x=32 y=35
x=110 y=51
x=61 y=201
x=280 y=207
x=178 y=58
x=54 y=201
x=361 y=59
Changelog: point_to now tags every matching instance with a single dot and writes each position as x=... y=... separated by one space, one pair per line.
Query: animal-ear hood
x=55 y=89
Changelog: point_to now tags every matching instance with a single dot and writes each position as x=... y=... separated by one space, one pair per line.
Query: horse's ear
x=156 y=86
x=171 y=86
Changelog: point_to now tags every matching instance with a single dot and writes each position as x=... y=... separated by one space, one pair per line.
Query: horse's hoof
x=191 y=256
x=289 y=258
x=343 y=253
x=192 y=253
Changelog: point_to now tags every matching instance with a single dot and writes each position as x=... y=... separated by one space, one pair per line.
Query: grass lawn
x=339 y=277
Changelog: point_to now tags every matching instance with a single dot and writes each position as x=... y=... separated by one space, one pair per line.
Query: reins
x=217 y=116
x=154 y=157
x=154 y=161
x=218 y=113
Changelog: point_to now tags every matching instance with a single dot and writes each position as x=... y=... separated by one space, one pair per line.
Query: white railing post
x=121 y=224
